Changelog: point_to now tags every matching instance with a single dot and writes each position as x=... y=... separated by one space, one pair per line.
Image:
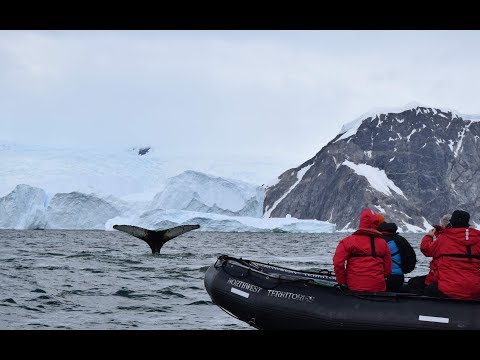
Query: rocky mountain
x=412 y=164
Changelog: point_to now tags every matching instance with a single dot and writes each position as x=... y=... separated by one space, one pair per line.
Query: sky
x=247 y=94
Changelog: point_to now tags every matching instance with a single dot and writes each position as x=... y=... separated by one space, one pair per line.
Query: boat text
x=289 y=295
x=244 y=285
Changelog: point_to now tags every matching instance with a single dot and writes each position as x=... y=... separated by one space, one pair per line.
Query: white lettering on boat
x=240 y=292
x=433 y=319
x=244 y=285
x=290 y=296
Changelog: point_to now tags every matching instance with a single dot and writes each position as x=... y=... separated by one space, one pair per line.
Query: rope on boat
x=280 y=279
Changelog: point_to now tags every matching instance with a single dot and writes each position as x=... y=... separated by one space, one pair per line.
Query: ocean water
x=105 y=280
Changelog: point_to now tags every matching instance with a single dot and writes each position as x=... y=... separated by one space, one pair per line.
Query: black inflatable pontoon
x=273 y=297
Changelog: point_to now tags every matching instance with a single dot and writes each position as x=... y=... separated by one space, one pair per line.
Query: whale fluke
x=155 y=238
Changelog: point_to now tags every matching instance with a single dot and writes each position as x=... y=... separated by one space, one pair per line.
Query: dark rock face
x=431 y=164
x=143 y=151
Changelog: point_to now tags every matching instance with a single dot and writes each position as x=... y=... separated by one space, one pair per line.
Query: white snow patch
x=380 y=209
x=439 y=141
x=413 y=228
x=376 y=178
x=450 y=144
x=460 y=141
x=346 y=228
x=426 y=224
x=413 y=132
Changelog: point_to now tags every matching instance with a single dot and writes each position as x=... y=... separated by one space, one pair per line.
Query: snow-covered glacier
x=23 y=208
x=161 y=219
x=78 y=211
x=200 y=192
x=120 y=171
x=215 y=203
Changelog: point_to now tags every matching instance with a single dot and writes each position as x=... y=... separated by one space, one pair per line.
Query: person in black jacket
x=394 y=281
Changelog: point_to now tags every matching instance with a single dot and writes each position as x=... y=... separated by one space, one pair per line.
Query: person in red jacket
x=363 y=260
x=457 y=254
x=417 y=284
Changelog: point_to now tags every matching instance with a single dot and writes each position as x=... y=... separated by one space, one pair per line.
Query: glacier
x=78 y=211
x=87 y=192
x=121 y=172
x=197 y=191
x=161 y=219
x=23 y=208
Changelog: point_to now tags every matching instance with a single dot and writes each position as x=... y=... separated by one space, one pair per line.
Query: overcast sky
x=283 y=94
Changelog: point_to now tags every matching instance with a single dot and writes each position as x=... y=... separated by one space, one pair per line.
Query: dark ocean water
x=91 y=280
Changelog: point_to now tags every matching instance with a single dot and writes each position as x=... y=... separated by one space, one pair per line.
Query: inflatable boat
x=267 y=296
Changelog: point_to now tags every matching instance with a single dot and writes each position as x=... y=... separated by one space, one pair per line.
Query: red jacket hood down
x=462 y=236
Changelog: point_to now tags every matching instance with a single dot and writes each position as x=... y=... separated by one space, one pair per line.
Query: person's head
x=368 y=220
x=445 y=219
x=390 y=228
x=459 y=219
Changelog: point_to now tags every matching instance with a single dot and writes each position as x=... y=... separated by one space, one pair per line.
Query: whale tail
x=155 y=238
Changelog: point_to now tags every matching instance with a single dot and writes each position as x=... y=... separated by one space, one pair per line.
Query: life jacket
x=457 y=254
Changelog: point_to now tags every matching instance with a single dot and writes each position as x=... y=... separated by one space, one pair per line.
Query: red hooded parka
x=354 y=261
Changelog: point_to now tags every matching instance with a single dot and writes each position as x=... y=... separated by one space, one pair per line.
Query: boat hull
x=267 y=297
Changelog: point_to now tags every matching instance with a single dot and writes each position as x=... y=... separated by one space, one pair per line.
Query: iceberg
x=195 y=191
x=27 y=207
x=23 y=208
x=161 y=219
x=78 y=211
